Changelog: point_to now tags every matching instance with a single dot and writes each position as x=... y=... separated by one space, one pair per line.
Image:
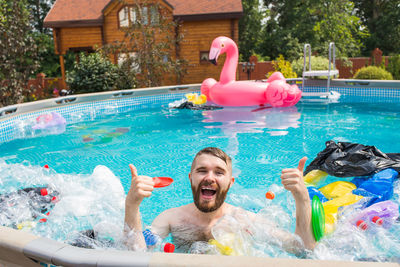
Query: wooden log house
x=83 y=25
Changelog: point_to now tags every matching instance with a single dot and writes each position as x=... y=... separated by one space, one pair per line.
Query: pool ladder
x=331 y=72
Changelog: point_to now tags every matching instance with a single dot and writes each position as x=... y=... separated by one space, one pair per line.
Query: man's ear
x=190 y=178
x=232 y=180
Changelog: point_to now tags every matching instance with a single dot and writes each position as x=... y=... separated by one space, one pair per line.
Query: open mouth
x=208 y=192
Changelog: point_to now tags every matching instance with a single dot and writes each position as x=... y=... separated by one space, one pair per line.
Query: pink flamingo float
x=229 y=92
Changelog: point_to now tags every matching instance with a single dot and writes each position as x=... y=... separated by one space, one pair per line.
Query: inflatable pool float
x=382 y=214
x=49 y=120
x=229 y=92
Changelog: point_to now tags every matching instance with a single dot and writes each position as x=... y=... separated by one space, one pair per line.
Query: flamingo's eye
x=222 y=45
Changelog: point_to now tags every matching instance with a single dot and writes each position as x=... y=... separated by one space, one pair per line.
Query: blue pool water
x=162 y=142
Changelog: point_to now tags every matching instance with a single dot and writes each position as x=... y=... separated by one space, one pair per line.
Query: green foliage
x=93 y=73
x=373 y=73
x=292 y=23
x=394 y=66
x=126 y=75
x=150 y=46
x=382 y=20
x=337 y=24
x=250 y=29
x=260 y=58
x=317 y=63
x=17 y=51
x=288 y=26
x=39 y=10
x=284 y=66
x=48 y=60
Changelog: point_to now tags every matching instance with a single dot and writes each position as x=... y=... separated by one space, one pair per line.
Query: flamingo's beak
x=213 y=55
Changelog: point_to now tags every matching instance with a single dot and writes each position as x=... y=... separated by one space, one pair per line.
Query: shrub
x=126 y=75
x=317 y=63
x=394 y=66
x=373 y=73
x=93 y=73
x=284 y=66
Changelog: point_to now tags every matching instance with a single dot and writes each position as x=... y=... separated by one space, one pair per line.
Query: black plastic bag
x=351 y=159
x=190 y=105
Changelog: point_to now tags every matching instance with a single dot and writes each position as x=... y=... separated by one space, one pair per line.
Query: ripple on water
x=161 y=142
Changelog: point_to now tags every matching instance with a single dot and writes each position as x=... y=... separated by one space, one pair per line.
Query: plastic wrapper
x=379 y=187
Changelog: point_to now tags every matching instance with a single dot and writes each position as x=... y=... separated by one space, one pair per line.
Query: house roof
x=207 y=9
x=76 y=13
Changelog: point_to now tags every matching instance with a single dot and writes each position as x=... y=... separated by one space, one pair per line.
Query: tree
x=250 y=26
x=39 y=10
x=48 y=60
x=382 y=18
x=293 y=23
x=46 y=57
x=337 y=24
x=17 y=51
x=150 y=42
x=288 y=26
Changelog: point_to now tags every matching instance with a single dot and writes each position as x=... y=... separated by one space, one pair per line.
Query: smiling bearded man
x=210 y=177
x=208 y=196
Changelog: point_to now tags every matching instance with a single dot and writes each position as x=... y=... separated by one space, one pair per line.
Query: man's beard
x=220 y=196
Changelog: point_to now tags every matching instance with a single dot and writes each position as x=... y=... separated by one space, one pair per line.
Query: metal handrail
x=307 y=48
x=309 y=57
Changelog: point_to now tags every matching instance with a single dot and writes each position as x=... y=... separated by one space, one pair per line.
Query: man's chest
x=185 y=235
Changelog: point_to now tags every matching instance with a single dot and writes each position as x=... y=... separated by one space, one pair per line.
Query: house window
x=165 y=58
x=125 y=56
x=133 y=15
x=130 y=15
x=154 y=16
x=204 y=56
x=123 y=16
x=145 y=15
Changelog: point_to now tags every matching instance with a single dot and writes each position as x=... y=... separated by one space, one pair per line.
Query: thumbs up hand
x=292 y=180
x=141 y=187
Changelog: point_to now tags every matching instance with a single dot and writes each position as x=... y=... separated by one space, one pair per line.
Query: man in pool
x=211 y=177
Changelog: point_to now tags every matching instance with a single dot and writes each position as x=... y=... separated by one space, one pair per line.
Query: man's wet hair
x=216 y=152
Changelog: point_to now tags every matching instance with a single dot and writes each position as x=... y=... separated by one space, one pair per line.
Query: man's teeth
x=208 y=188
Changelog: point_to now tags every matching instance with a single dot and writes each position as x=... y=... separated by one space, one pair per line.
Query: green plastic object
x=317 y=218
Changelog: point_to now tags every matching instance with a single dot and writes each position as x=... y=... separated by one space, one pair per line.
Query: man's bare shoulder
x=164 y=221
x=174 y=214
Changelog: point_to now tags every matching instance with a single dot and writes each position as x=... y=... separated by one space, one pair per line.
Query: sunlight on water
x=88 y=168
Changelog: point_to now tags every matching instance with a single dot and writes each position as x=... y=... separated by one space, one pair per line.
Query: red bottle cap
x=44 y=192
x=169 y=248
x=270 y=195
x=43 y=220
x=362 y=225
x=55 y=199
x=377 y=220
x=46 y=166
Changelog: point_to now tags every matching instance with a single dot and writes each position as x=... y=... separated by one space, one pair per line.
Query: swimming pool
x=162 y=142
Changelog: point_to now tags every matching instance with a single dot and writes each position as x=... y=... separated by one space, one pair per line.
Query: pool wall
x=18 y=248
